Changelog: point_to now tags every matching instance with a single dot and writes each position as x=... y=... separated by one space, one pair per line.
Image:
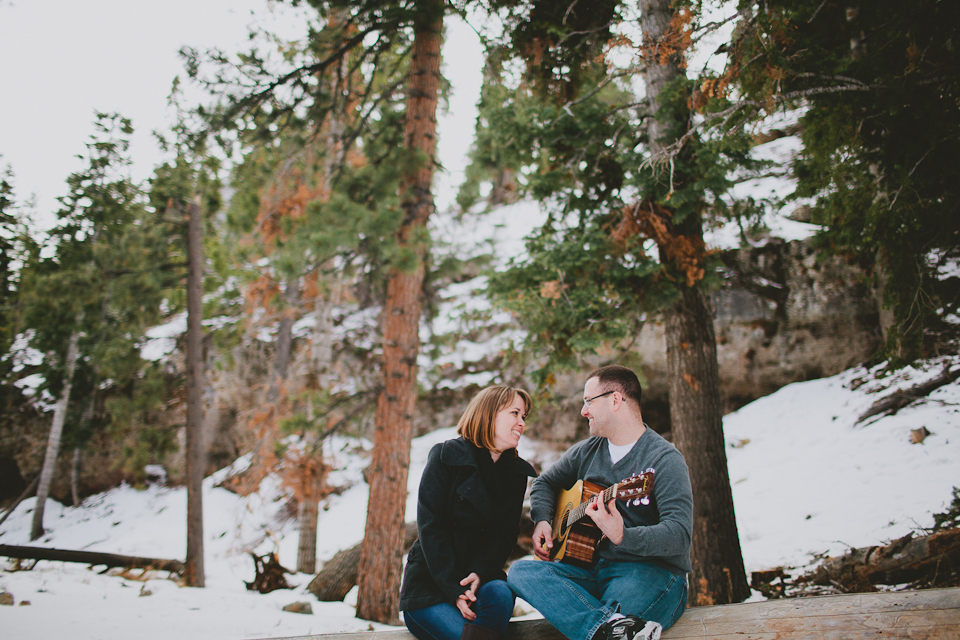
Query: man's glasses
x=587 y=401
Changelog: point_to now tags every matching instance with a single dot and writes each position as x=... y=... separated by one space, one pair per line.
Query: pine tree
x=381 y=557
x=387 y=47
x=876 y=86
x=631 y=185
x=89 y=303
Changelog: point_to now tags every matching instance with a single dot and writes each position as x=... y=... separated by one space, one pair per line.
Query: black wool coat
x=461 y=528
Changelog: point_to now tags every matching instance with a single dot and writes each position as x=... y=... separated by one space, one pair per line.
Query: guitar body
x=575 y=544
x=575 y=537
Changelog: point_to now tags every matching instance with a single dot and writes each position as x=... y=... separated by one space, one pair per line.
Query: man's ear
x=616 y=405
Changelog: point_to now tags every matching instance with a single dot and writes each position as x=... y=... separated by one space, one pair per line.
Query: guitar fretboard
x=581 y=509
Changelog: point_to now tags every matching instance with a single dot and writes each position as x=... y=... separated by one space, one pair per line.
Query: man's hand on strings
x=607 y=518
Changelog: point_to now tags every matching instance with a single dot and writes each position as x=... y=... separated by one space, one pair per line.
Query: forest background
x=313 y=172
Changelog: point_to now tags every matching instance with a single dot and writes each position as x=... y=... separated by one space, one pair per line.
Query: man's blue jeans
x=577 y=601
x=493 y=607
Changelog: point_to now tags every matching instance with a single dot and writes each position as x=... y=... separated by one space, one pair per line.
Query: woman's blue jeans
x=577 y=601
x=493 y=607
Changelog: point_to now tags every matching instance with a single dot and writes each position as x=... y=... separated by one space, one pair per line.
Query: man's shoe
x=632 y=628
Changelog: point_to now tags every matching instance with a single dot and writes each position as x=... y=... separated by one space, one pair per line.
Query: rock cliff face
x=782 y=316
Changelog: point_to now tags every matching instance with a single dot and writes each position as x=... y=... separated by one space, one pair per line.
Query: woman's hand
x=543 y=540
x=468 y=597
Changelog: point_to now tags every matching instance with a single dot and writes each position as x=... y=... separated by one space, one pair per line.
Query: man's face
x=597 y=410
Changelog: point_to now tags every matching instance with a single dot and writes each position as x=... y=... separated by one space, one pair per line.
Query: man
x=638 y=586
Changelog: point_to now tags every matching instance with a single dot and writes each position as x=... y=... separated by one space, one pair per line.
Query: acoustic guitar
x=575 y=536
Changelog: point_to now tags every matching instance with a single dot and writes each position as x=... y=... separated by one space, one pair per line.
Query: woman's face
x=509 y=424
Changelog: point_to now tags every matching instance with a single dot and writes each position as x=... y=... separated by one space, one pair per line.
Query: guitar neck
x=581 y=510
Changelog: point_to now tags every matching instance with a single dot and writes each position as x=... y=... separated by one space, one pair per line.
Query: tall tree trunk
x=695 y=410
x=56 y=430
x=194 y=571
x=78 y=453
x=308 y=510
x=381 y=558
x=281 y=361
x=75 y=475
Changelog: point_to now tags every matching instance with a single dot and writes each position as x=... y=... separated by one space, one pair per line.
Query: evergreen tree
x=385 y=46
x=89 y=303
x=17 y=248
x=877 y=86
x=8 y=254
x=631 y=185
x=187 y=190
x=381 y=557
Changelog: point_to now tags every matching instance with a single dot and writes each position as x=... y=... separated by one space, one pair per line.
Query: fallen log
x=339 y=573
x=931 y=614
x=897 y=400
x=90 y=557
x=934 y=559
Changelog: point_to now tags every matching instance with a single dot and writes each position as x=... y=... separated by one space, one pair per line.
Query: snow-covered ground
x=806 y=480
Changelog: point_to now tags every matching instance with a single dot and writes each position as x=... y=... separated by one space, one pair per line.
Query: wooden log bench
x=929 y=614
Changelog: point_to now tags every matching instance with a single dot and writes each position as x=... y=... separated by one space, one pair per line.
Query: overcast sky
x=63 y=60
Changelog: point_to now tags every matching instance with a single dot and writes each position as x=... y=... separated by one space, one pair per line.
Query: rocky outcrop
x=784 y=314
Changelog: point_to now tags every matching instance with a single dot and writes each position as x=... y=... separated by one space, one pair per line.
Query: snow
x=810 y=480
x=806 y=480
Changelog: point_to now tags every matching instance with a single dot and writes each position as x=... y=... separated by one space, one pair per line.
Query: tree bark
x=75 y=475
x=307 y=547
x=695 y=410
x=308 y=508
x=381 y=557
x=56 y=431
x=194 y=573
x=697 y=425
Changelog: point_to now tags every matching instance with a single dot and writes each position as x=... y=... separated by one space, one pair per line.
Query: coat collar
x=458 y=452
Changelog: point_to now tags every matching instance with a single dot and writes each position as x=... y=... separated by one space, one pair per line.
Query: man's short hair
x=615 y=377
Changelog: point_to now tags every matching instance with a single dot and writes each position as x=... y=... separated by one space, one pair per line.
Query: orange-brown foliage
x=676 y=40
x=304 y=473
x=649 y=220
x=261 y=292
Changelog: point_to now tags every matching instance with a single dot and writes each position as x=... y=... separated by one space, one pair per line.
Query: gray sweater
x=659 y=532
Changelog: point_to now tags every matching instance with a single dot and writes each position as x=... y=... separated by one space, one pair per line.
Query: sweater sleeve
x=561 y=476
x=434 y=526
x=674 y=499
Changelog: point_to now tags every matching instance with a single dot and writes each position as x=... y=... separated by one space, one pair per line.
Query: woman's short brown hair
x=476 y=425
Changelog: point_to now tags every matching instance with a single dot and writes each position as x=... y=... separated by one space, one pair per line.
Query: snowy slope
x=806 y=480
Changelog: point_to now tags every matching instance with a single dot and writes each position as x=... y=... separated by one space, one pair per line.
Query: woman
x=468 y=519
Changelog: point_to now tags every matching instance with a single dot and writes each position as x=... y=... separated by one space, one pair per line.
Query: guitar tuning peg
x=645 y=501
x=636 y=502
